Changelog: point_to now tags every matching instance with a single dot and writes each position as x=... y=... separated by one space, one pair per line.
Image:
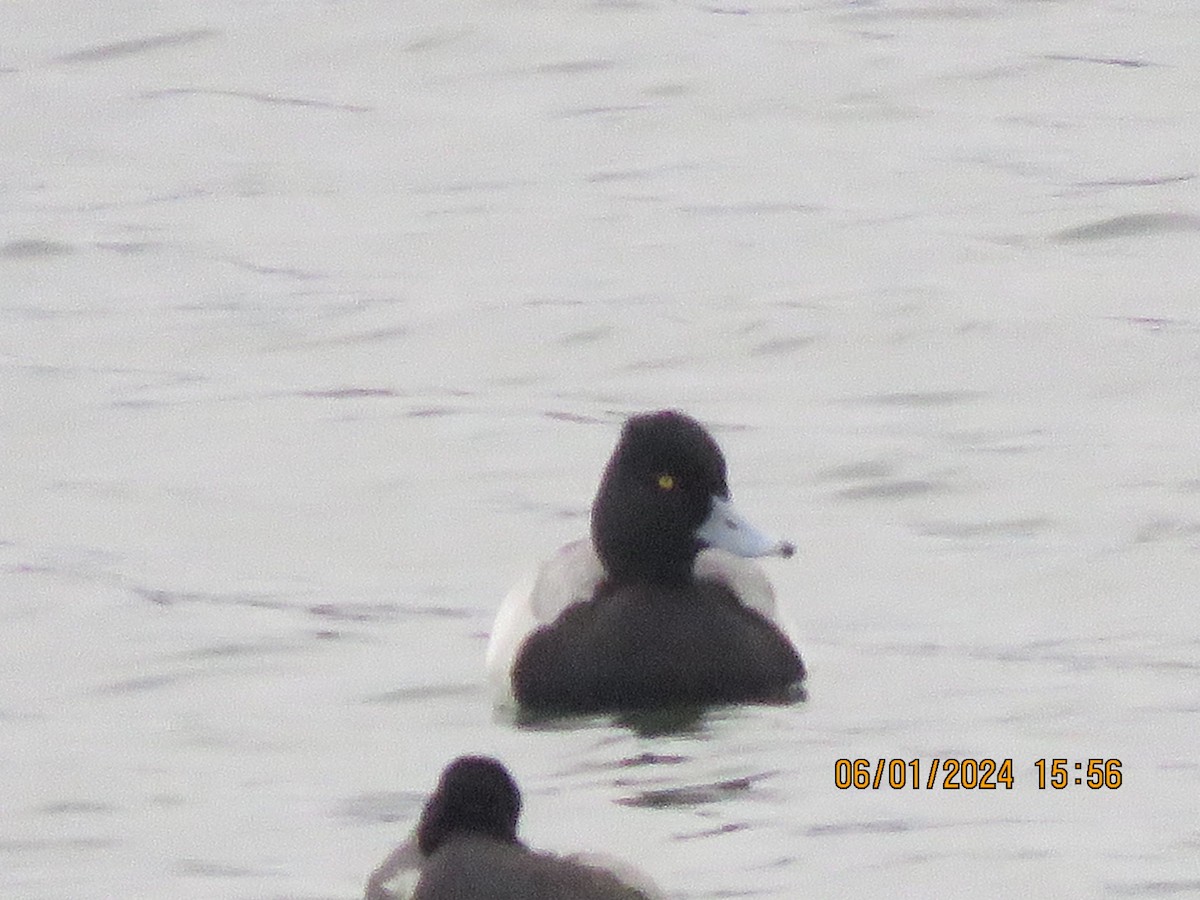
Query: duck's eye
x=666 y=482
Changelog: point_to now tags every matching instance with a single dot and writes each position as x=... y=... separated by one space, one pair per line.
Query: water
x=318 y=324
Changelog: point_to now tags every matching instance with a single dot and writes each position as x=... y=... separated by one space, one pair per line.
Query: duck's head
x=663 y=498
x=475 y=795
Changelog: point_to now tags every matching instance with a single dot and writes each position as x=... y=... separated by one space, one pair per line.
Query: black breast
x=645 y=646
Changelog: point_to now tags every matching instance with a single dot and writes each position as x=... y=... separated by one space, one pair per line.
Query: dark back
x=472 y=868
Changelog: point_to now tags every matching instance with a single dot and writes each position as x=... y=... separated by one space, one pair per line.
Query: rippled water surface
x=318 y=323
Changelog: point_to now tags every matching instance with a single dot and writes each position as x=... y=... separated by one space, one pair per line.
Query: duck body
x=465 y=847
x=663 y=605
x=638 y=646
x=474 y=868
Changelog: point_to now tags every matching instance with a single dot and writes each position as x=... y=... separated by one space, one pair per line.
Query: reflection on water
x=678 y=720
x=692 y=794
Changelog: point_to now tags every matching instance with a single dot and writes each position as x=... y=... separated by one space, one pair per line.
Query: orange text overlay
x=969 y=774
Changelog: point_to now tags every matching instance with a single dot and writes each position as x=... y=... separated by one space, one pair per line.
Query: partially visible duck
x=663 y=605
x=465 y=847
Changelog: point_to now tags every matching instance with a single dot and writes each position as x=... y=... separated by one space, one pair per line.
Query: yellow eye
x=666 y=482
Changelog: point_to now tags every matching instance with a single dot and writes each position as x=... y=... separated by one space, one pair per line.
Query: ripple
x=236 y=650
x=348 y=393
x=782 y=346
x=129 y=248
x=210 y=869
x=1157 y=323
x=878 y=826
x=255 y=96
x=575 y=66
x=421 y=693
x=102 y=52
x=997 y=441
x=382 y=612
x=167 y=597
x=1167 y=528
x=25 y=845
x=746 y=209
x=651 y=759
x=1119 y=61
x=435 y=40
x=377 y=807
x=614 y=110
x=662 y=364
x=76 y=807
x=694 y=794
x=1149 y=181
x=1190 y=887
x=32 y=248
x=432 y=412
x=573 y=418
x=894 y=490
x=933 y=13
x=640 y=174
x=285 y=271
x=338 y=611
x=370 y=336
x=727 y=828
x=924 y=398
x=588 y=335
x=1123 y=653
x=1000 y=528
x=859 y=471
x=1132 y=225
x=141 y=683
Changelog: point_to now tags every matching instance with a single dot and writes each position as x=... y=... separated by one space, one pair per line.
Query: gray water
x=318 y=323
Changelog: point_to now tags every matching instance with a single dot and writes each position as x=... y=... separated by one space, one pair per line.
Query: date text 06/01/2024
x=972 y=774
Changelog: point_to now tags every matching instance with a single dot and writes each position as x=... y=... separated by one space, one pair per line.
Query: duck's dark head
x=475 y=795
x=663 y=497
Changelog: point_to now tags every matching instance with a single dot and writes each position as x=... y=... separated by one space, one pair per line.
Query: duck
x=662 y=606
x=465 y=847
